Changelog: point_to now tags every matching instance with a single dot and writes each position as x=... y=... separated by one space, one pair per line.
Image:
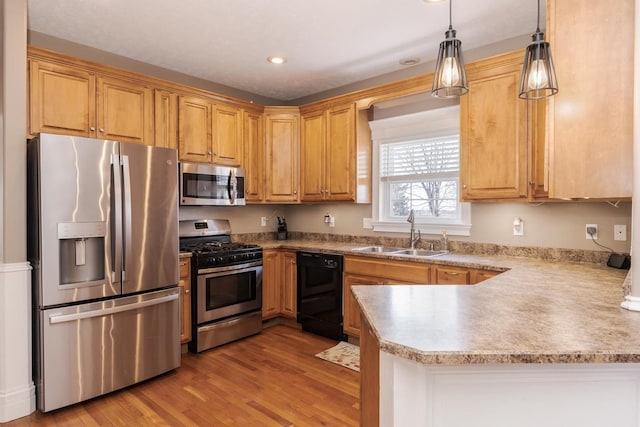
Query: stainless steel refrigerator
x=103 y=244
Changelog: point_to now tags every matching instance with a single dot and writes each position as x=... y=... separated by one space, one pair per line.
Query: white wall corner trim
x=17 y=391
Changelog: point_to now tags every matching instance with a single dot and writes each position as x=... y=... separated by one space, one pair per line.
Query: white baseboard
x=17 y=391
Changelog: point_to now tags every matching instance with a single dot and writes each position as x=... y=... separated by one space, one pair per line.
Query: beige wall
x=13 y=122
x=553 y=225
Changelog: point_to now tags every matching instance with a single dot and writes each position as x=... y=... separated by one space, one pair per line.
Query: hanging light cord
x=451 y=26
x=538 y=23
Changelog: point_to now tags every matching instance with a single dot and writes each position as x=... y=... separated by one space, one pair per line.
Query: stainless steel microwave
x=211 y=185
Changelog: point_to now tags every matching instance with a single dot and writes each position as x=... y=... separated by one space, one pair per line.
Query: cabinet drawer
x=478 y=276
x=452 y=276
x=396 y=271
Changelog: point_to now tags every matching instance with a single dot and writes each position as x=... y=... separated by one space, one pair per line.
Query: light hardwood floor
x=271 y=379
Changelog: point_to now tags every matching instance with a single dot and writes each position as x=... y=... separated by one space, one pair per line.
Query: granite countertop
x=536 y=311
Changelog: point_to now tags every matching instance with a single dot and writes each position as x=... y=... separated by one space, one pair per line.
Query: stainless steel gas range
x=227 y=302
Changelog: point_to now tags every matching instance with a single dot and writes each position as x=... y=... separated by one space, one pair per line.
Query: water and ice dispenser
x=82 y=252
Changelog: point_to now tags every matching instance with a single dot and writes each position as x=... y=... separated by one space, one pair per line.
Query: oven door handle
x=224 y=271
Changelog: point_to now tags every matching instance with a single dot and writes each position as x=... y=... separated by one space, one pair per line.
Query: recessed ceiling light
x=432 y=1
x=409 y=61
x=276 y=59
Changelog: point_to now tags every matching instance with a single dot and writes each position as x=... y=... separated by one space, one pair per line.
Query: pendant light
x=538 y=78
x=450 y=80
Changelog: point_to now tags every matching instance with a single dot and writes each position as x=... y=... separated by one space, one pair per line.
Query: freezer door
x=150 y=217
x=70 y=229
x=91 y=349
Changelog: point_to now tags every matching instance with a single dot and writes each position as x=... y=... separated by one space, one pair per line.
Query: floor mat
x=344 y=354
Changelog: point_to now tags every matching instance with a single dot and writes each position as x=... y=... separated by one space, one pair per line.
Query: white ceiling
x=328 y=44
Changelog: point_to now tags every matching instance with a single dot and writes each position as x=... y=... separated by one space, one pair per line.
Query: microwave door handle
x=233 y=187
x=116 y=219
x=126 y=230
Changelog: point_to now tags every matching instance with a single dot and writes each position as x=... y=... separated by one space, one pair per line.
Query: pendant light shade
x=538 y=78
x=450 y=79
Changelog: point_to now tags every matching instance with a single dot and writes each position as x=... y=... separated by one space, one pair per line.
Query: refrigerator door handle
x=116 y=233
x=126 y=198
x=62 y=318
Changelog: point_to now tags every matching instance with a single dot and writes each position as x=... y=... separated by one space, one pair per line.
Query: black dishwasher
x=320 y=293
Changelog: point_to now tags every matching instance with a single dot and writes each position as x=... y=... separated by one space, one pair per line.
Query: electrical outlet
x=263 y=221
x=594 y=231
x=620 y=232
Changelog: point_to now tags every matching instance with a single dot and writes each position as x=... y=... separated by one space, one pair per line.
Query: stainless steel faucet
x=412 y=237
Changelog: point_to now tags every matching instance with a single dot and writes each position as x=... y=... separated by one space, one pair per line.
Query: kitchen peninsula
x=544 y=343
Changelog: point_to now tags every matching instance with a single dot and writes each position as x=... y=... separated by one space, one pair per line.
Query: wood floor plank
x=272 y=379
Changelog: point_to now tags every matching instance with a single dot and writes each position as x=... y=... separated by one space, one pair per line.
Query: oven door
x=228 y=291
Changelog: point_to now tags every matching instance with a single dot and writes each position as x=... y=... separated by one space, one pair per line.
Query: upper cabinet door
x=194 y=129
x=493 y=131
x=312 y=157
x=62 y=100
x=591 y=116
x=166 y=119
x=125 y=111
x=227 y=135
x=340 y=154
x=253 y=136
x=281 y=157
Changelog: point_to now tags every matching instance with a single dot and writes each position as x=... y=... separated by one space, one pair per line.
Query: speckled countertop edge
x=613 y=339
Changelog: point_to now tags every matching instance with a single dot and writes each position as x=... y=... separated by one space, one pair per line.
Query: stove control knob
x=211 y=260
x=219 y=260
x=233 y=257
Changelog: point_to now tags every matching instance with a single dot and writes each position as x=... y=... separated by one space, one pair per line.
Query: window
x=417 y=166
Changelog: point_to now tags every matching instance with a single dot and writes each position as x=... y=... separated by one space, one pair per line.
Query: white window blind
x=420 y=160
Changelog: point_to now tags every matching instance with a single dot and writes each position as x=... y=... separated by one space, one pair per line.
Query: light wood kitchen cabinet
x=253 y=136
x=271 y=288
x=209 y=133
x=166 y=119
x=477 y=276
x=447 y=275
x=279 y=284
x=493 y=131
x=194 y=129
x=289 y=274
x=282 y=134
x=365 y=271
x=185 y=300
x=227 y=135
x=591 y=117
x=72 y=101
x=61 y=100
x=351 y=314
x=125 y=111
x=327 y=154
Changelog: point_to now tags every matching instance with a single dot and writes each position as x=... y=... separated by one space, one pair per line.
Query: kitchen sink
x=378 y=249
x=419 y=252
x=399 y=251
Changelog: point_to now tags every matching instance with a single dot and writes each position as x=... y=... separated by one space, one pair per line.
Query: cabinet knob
x=186 y=291
x=295 y=192
x=92 y=128
x=101 y=130
x=532 y=183
x=464 y=185
x=209 y=153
